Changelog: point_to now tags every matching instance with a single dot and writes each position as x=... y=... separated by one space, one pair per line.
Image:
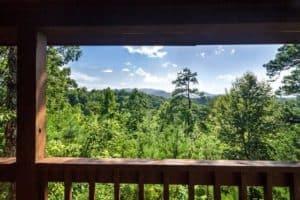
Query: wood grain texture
x=30 y=109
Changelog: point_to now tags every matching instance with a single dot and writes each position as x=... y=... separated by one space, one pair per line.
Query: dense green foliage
x=287 y=58
x=248 y=122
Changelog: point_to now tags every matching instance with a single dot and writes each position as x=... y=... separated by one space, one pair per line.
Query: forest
x=249 y=122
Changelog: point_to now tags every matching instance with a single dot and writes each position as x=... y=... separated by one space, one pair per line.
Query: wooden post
x=31 y=110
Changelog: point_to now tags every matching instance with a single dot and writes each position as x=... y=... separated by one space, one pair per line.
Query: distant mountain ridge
x=164 y=94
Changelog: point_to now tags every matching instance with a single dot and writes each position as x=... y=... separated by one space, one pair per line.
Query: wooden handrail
x=7 y=169
x=165 y=172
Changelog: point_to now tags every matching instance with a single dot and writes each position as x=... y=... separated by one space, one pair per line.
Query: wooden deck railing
x=165 y=172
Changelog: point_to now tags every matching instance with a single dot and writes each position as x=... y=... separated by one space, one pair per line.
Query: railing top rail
x=177 y=171
x=7 y=161
x=166 y=162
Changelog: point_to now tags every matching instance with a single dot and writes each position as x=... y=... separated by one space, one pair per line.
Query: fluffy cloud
x=149 y=51
x=158 y=82
x=219 y=50
x=202 y=54
x=232 y=51
x=125 y=70
x=107 y=70
x=81 y=77
x=260 y=74
x=127 y=64
x=84 y=80
x=169 y=64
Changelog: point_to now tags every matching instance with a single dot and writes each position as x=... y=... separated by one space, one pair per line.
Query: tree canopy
x=248 y=122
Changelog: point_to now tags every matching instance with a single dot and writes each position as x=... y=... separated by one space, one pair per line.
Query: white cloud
x=123 y=84
x=127 y=64
x=84 y=80
x=131 y=74
x=107 y=70
x=157 y=82
x=202 y=54
x=260 y=73
x=150 y=51
x=81 y=77
x=169 y=64
x=232 y=51
x=126 y=70
x=278 y=80
x=219 y=50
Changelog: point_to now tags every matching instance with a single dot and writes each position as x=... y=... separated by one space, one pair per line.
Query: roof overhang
x=89 y=22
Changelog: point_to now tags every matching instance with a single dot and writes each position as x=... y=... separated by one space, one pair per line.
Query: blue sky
x=156 y=66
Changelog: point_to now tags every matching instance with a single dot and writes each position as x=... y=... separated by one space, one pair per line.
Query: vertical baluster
x=191 y=186
x=116 y=185
x=268 y=187
x=92 y=184
x=295 y=187
x=68 y=185
x=141 y=186
x=166 y=186
x=92 y=190
x=243 y=187
x=217 y=187
x=43 y=190
x=68 y=190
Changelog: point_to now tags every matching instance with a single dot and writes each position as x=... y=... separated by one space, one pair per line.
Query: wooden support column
x=31 y=110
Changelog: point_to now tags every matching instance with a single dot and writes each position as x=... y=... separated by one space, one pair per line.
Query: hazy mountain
x=162 y=93
x=155 y=92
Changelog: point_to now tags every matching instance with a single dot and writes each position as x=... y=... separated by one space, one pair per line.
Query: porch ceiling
x=153 y=22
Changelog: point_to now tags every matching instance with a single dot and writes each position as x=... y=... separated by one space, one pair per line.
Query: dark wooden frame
x=32 y=24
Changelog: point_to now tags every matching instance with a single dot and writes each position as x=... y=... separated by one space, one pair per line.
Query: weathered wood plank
x=259 y=165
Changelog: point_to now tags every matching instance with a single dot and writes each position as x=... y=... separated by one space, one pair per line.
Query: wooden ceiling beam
x=154 y=22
